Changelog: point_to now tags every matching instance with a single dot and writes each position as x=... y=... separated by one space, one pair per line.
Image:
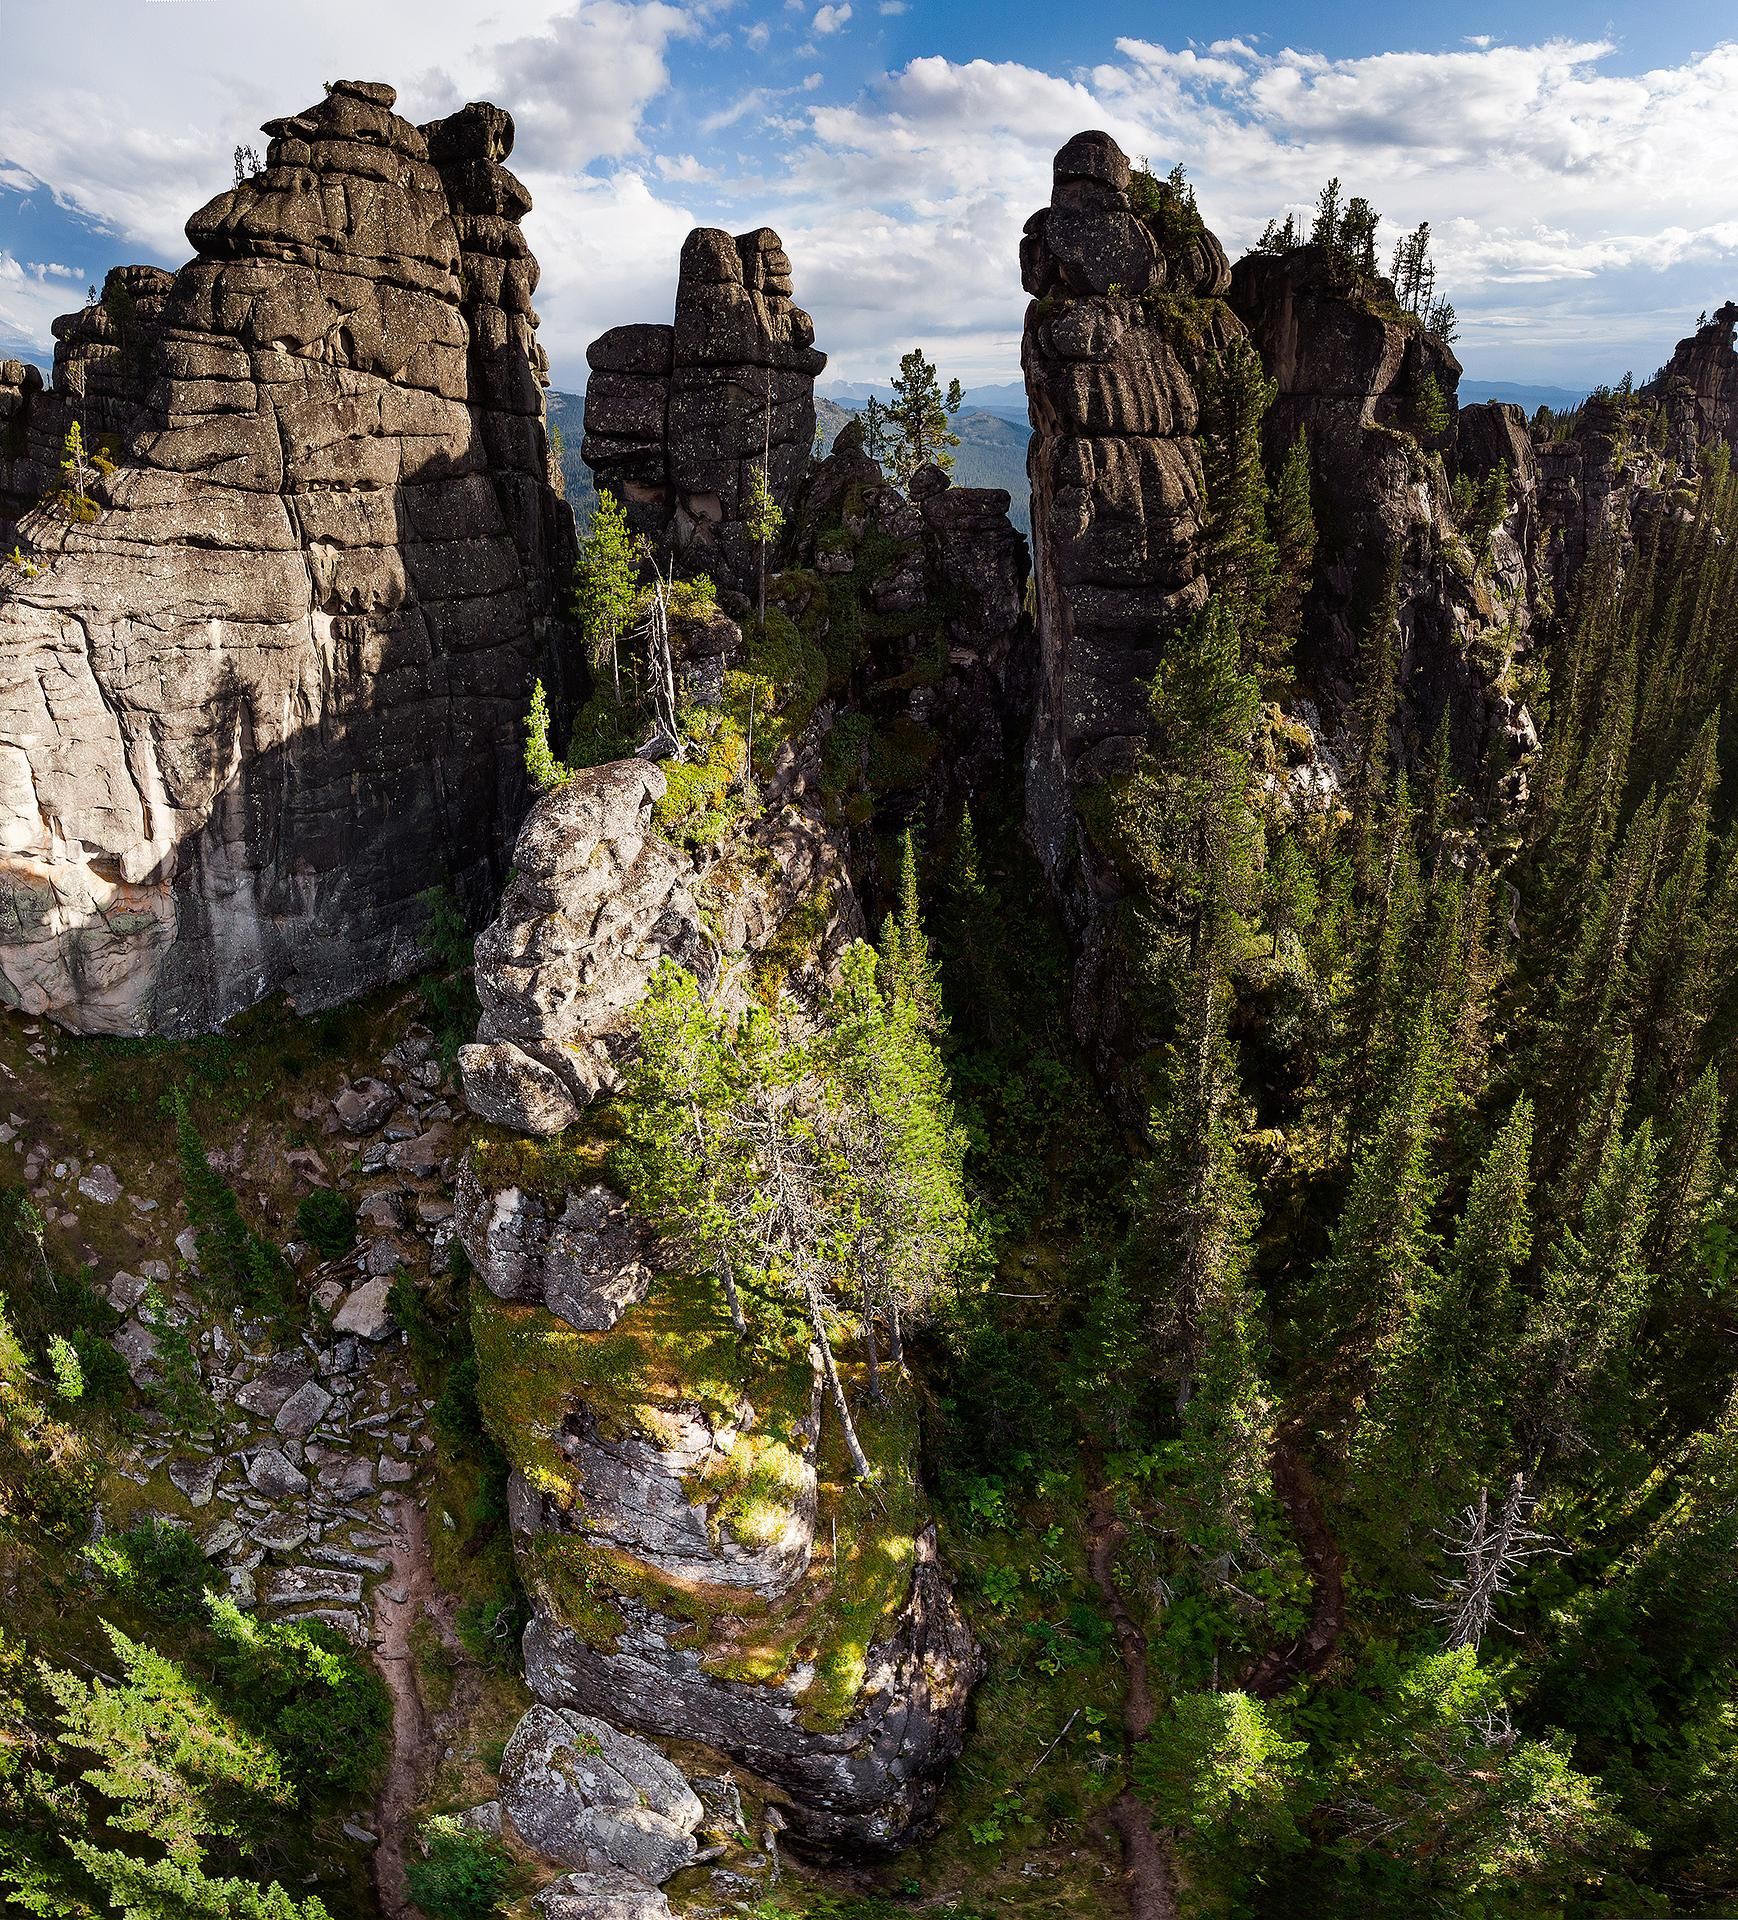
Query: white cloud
x=756 y=37
x=1551 y=182
x=830 y=19
x=33 y=294
x=892 y=7
x=609 y=250
x=683 y=166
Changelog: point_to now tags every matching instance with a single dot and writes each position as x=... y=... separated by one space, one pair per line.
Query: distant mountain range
x=1009 y=400
x=991 y=452
x=1529 y=399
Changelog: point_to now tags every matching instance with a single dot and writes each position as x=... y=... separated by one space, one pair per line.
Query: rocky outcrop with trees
x=678 y=417
x=266 y=643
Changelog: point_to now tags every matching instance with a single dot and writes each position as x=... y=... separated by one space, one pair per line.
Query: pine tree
x=1574 y=1347
x=1293 y=525
x=542 y=769
x=908 y=969
x=1192 y=818
x=917 y=418
x=1361 y=1298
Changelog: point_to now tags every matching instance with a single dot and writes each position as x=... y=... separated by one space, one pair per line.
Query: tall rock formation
x=267 y=691
x=1698 y=387
x=678 y=416
x=1374 y=392
x=1126 y=306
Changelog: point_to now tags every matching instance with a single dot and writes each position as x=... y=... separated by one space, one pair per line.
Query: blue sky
x=1577 y=163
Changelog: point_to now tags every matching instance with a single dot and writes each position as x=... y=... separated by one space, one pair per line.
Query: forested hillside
x=823 y=1164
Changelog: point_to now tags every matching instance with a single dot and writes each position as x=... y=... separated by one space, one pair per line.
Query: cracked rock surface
x=269 y=694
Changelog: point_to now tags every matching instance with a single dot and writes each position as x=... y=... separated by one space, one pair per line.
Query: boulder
x=303 y=1411
x=365 y=1311
x=248 y=675
x=272 y=1473
x=365 y=1107
x=588 y=1264
x=587 y=1796
x=601 y=1896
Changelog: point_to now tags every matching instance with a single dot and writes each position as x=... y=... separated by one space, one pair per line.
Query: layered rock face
x=1119 y=321
x=865 y=1784
x=271 y=693
x=677 y=417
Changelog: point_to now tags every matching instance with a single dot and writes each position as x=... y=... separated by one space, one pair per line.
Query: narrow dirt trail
x=1146 y=1860
x=413 y=1742
x=1282 y=1667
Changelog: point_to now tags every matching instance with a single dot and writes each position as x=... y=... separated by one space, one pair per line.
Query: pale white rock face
x=601 y=1896
x=271 y=693
x=585 y=1795
x=595 y=903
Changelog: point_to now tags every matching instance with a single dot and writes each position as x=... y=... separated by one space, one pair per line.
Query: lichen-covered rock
x=655 y=1496
x=596 y=901
x=677 y=417
x=866 y=1784
x=1698 y=387
x=587 y=1264
x=271 y=693
x=585 y=1795
x=601 y=1896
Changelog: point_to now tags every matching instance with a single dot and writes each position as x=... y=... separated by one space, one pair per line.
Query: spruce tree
x=607 y=580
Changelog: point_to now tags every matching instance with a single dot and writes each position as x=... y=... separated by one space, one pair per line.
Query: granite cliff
x=261 y=683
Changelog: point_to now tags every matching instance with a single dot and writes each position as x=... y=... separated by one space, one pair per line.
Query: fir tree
x=542 y=769
x=1241 y=559
x=607 y=583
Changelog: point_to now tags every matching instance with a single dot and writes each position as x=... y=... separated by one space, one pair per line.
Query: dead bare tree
x=1489 y=1550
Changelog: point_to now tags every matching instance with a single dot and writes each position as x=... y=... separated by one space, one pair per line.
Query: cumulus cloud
x=1552 y=183
x=829 y=19
x=32 y=294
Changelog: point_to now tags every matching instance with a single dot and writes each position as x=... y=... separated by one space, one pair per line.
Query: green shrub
x=326 y=1219
x=463 y=1874
x=156 y=1565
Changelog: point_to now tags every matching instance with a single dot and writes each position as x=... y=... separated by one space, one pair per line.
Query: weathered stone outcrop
x=1698 y=388
x=925 y=596
x=596 y=900
x=1355 y=373
x=865 y=1784
x=656 y=1499
x=587 y=1263
x=587 y=1796
x=676 y=417
x=271 y=694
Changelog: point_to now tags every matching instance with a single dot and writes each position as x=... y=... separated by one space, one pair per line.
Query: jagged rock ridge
x=272 y=693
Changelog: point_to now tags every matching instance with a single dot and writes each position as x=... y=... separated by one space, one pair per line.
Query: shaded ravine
x=413 y=1745
x=1147 y=1872
x=1306 y=1656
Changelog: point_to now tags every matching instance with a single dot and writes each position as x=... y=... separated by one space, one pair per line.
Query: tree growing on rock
x=607 y=579
x=816 y=1168
x=914 y=424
